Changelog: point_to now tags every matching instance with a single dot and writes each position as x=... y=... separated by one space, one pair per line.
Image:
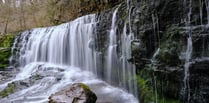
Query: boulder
x=76 y=93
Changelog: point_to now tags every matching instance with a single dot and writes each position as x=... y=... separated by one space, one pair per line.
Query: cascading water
x=12 y=52
x=156 y=30
x=62 y=55
x=128 y=69
x=129 y=15
x=186 y=71
x=207 y=8
x=120 y=71
x=188 y=55
x=112 y=53
x=127 y=39
x=201 y=14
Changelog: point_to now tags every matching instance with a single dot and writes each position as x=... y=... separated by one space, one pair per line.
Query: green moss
x=4 y=58
x=147 y=90
x=8 y=90
x=168 y=53
x=170 y=47
x=168 y=101
x=146 y=93
x=5 y=46
x=85 y=87
x=3 y=65
x=172 y=33
x=6 y=40
x=37 y=77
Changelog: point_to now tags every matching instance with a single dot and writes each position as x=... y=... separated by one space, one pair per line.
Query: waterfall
x=112 y=53
x=207 y=8
x=201 y=12
x=66 y=54
x=188 y=55
x=119 y=70
x=67 y=44
x=128 y=69
x=155 y=24
x=12 y=52
x=186 y=67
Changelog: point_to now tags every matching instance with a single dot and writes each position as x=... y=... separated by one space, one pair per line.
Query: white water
x=155 y=23
x=12 y=52
x=188 y=55
x=112 y=53
x=64 y=55
x=128 y=69
x=201 y=12
x=119 y=70
x=207 y=8
x=127 y=39
x=57 y=77
x=186 y=67
x=129 y=16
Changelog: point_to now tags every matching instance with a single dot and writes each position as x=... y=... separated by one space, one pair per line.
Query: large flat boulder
x=76 y=93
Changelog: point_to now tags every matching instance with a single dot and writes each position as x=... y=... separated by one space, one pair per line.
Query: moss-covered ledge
x=5 y=49
x=8 y=90
x=155 y=87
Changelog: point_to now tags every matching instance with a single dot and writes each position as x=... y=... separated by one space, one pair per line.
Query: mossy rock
x=4 y=58
x=168 y=53
x=146 y=93
x=76 y=93
x=170 y=47
x=5 y=49
x=8 y=90
x=85 y=87
x=146 y=83
x=6 y=40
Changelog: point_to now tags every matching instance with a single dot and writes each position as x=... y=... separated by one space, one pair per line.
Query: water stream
x=207 y=9
x=112 y=59
x=188 y=56
x=51 y=58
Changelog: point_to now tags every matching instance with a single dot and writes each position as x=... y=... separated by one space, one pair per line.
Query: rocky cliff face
x=162 y=29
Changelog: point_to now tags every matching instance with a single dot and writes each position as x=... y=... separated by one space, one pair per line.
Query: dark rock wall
x=160 y=26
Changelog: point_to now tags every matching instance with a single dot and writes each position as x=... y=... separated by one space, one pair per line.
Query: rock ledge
x=76 y=93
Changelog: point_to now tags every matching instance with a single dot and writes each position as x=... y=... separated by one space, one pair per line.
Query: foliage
x=38 y=13
x=4 y=56
x=168 y=53
x=170 y=47
x=6 y=40
x=5 y=45
x=148 y=94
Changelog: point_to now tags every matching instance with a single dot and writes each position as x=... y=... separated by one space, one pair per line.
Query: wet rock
x=168 y=53
x=77 y=93
x=6 y=76
x=199 y=77
x=8 y=90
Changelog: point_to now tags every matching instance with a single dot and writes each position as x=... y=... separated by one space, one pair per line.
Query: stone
x=76 y=93
x=199 y=77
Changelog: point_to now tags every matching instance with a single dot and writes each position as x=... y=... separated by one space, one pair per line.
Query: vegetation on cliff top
x=28 y=14
x=5 y=48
